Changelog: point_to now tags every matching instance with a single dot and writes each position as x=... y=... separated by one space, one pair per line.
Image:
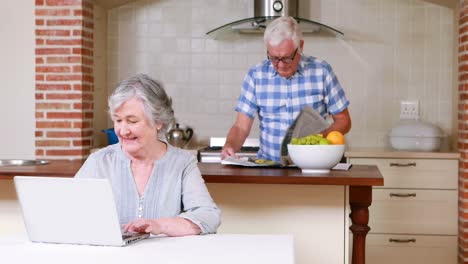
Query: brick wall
x=64 y=78
x=463 y=131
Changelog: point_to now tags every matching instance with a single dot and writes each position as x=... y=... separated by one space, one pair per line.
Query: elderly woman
x=158 y=188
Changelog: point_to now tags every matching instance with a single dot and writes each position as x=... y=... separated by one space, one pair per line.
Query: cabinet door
x=11 y=221
x=414 y=211
x=415 y=173
x=313 y=214
x=410 y=249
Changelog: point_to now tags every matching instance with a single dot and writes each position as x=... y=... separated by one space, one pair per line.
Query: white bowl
x=316 y=158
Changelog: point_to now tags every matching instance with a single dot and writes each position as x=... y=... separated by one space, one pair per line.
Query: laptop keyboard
x=129 y=235
x=126 y=236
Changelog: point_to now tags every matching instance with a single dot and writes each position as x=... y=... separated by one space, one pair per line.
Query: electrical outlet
x=409 y=109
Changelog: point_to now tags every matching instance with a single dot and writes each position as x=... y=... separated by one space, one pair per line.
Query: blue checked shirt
x=278 y=101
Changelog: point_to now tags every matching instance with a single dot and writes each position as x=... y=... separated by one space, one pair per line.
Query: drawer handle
x=395 y=164
x=394 y=240
x=402 y=195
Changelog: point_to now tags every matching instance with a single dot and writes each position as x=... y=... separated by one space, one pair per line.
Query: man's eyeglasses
x=276 y=60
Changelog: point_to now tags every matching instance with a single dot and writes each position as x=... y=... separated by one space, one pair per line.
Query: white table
x=205 y=249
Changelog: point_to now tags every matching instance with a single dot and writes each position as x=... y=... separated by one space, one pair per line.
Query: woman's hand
x=142 y=226
x=174 y=226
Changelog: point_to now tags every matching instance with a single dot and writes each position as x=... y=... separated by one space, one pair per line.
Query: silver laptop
x=71 y=211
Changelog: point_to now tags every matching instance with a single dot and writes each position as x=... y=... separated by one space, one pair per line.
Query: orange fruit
x=336 y=138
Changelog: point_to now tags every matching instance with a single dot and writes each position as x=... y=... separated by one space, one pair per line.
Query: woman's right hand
x=171 y=226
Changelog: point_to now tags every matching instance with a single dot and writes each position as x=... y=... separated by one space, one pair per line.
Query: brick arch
x=64 y=78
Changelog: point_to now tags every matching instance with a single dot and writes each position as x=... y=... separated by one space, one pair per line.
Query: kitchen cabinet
x=413 y=217
x=11 y=221
x=312 y=214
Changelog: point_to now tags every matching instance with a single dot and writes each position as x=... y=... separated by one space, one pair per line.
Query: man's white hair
x=282 y=28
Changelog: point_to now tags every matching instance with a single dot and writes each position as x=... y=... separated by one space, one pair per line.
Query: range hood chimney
x=267 y=10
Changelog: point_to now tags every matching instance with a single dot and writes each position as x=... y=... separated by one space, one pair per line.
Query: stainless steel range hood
x=266 y=11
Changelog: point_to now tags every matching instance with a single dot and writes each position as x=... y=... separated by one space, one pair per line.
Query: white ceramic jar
x=415 y=135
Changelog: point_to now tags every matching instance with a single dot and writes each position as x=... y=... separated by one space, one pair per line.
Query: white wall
x=17 y=78
x=392 y=51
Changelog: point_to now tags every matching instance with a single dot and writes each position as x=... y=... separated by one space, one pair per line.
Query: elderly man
x=279 y=87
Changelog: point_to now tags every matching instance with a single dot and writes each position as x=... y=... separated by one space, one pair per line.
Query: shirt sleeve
x=335 y=97
x=247 y=103
x=88 y=169
x=198 y=206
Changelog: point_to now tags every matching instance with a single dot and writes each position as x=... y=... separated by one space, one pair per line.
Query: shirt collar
x=299 y=71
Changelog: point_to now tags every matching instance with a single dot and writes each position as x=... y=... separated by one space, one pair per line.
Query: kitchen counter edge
x=359 y=175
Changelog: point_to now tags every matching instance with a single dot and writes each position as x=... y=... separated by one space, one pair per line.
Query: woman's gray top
x=175 y=187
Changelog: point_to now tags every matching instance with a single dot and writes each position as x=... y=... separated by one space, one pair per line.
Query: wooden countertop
x=358 y=175
x=56 y=168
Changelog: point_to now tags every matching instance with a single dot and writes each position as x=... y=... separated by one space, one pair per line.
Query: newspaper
x=249 y=162
x=307 y=122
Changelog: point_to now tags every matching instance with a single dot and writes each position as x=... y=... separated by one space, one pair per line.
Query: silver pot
x=179 y=137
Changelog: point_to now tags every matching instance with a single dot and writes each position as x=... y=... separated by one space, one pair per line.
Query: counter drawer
x=412 y=249
x=412 y=211
x=415 y=173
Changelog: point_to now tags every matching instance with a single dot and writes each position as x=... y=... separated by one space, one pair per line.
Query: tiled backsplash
x=392 y=51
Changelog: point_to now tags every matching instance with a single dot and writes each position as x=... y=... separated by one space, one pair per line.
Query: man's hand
x=237 y=135
x=341 y=122
x=227 y=151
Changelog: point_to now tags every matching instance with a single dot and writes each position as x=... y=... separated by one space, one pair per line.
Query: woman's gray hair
x=282 y=28
x=156 y=104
